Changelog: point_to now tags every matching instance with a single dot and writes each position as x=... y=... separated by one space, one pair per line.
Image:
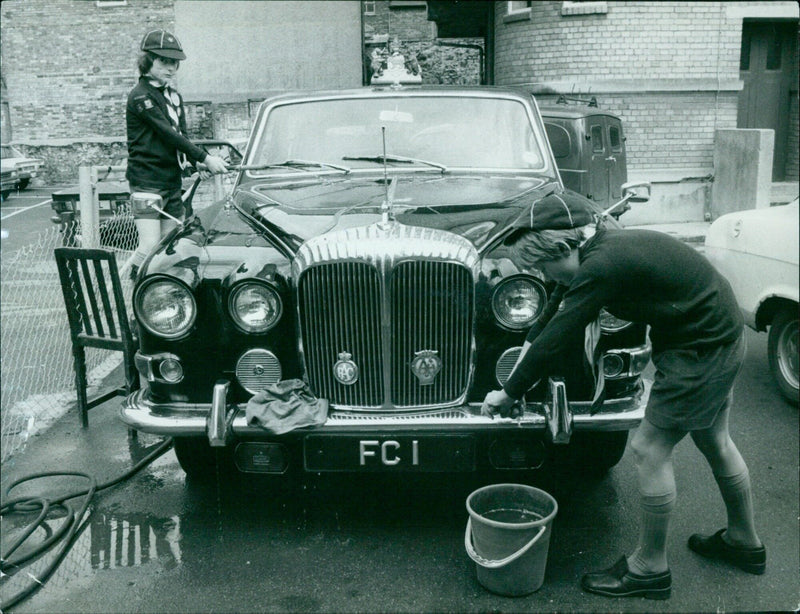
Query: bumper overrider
x=221 y=421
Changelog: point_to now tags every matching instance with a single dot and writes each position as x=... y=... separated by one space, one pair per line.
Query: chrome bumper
x=219 y=420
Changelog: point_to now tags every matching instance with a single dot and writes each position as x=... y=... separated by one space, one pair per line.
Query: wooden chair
x=96 y=317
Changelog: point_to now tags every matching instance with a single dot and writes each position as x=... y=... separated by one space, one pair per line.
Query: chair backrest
x=97 y=317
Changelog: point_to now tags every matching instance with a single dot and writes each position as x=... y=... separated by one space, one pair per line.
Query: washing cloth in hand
x=285 y=406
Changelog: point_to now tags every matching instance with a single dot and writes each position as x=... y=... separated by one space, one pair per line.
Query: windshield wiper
x=294 y=164
x=398 y=159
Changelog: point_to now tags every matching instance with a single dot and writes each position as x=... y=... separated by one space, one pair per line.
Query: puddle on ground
x=105 y=542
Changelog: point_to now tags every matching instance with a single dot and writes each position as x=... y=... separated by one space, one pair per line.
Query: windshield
x=433 y=132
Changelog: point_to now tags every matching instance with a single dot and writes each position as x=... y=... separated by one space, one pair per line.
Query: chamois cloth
x=285 y=406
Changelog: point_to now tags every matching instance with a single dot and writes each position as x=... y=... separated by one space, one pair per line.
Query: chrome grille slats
x=382 y=293
x=340 y=312
x=432 y=310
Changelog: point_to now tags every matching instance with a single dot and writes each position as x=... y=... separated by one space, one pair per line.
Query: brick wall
x=407 y=24
x=633 y=40
x=69 y=65
x=669 y=69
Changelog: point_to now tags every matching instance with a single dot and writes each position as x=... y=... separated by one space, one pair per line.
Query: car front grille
x=397 y=304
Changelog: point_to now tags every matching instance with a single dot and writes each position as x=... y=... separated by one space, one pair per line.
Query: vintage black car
x=364 y=250
x=589 y=147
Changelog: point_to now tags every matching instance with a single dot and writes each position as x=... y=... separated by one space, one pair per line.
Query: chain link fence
x=36 y=368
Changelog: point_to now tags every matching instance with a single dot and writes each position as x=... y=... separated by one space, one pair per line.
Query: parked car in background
x=10 y=182
x=365 y=251
x=27 y=168
x=589 y=147
x=757 y=250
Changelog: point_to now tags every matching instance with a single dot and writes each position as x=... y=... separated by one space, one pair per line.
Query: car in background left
x=26 y=168
x=757 y=251
x=10 y=183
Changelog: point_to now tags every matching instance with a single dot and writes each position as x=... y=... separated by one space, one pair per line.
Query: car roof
x=379 y=90
x=573 y=112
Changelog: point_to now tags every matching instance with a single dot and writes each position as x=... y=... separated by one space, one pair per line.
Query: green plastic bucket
x=508 y=536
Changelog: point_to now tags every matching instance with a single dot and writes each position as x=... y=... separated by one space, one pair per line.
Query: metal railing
x=36 y=369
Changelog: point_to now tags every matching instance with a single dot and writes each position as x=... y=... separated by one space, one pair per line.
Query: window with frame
x=614 y=139
x=517 y=6
x=369 y=7
x=597 y=139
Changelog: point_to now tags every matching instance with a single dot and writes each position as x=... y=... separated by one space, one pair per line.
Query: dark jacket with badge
x=154 y=140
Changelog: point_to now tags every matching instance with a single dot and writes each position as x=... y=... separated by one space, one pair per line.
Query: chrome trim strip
x=217 y=427
x=187 y=419
x=558 y=412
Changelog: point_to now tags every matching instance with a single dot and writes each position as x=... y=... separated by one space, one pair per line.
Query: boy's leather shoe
x=619 y=581
x=749 y=559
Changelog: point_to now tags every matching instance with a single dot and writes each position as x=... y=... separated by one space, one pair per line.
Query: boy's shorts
x=692 y=386
x=172 y=203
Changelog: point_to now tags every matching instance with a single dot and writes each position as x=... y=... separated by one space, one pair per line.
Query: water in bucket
x=508 y=536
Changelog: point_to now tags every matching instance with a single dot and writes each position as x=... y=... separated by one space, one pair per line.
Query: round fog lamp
x=171 y=370
x=613 y=365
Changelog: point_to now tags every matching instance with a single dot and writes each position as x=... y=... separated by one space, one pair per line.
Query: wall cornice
x=613 y=86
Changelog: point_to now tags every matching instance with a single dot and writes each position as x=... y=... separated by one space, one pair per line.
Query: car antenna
x=386 y=207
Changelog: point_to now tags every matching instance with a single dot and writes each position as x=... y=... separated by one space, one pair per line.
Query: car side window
x=614 y=138
x=559 y=140
x=597 y=139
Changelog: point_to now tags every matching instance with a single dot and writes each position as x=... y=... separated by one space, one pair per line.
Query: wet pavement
x=161 y=543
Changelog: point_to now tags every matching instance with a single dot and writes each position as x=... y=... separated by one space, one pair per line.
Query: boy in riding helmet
x=158 y=148
x=696 y=331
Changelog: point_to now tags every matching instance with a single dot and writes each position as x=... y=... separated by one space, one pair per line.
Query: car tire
x=23 y=183
x=782 y=352
x=4 y=194
x=199 y=460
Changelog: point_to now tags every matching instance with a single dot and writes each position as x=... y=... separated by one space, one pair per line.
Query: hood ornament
x=426 y=366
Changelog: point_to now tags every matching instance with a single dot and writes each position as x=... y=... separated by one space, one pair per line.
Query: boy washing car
x=698 y=346
x=157 y=143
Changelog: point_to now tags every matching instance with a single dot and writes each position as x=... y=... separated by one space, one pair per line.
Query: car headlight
x=165 y=307
x=612 y=324
x=518 y=302
x=254 y=307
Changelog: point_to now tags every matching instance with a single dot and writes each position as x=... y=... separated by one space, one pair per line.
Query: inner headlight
x=612 y=324
x=254 y=307
x=517 y=302
x=165 y=307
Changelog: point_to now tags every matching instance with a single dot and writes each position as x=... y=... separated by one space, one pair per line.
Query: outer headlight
x=518 y=301
x=612 y=324
x=254 y=307
x=165 y=307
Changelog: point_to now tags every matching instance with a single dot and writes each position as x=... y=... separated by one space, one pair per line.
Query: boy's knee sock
x=737 y=495
x=651 y=553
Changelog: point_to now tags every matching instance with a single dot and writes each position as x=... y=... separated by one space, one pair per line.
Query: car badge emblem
x=345 y=370
x=426 y=366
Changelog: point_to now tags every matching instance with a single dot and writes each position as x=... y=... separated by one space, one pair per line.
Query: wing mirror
x=638 y=192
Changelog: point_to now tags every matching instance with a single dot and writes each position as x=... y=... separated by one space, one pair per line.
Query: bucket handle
x=489 y=564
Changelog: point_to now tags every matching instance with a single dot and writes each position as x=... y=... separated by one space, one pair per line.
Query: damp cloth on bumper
x=286 y=406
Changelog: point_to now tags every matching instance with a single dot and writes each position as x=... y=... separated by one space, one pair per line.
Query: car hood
x=475 y=207
x=12 y=163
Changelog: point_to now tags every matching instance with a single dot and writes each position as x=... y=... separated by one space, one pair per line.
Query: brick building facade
x=670 y=69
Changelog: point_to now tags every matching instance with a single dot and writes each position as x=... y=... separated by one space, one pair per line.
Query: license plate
x=426 y=453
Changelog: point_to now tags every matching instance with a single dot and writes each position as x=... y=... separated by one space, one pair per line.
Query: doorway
x=768 y=68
